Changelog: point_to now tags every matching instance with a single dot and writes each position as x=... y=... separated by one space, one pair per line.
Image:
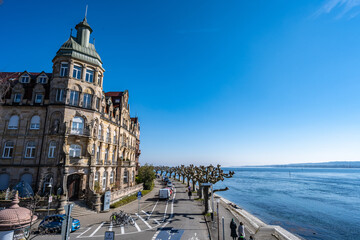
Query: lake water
x=312 y=203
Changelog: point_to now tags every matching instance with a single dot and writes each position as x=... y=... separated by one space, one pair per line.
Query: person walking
x=189 y=194
x=233 y=229
x=241 y=231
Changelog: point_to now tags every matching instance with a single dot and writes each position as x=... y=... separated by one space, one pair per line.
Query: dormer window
x=17 y=97
x=77 y=72
x=42 y=79
x=25 y=78
x=64 y=69
x=89 y=75
x=38 y=98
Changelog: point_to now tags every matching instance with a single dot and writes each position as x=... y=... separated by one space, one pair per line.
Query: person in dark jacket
x=233 y=228
x=189 y=194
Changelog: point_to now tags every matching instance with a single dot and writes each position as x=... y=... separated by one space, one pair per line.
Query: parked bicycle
x=121 y=218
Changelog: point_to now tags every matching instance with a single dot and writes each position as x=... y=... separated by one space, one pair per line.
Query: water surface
x=314 y=203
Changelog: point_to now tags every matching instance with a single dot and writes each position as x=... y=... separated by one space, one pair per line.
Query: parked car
x=166 y=179
x=169 y=184
x=53 y=223
x=164 y=193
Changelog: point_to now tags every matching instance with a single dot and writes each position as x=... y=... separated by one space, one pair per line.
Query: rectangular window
x=8 y=150
x=25 y=79
x=89 y=75
x=64 y=69
x=60 y=95
x=30 y=151
x=87 y=100
x=38 y=98
x=74 y=98
x=97 y=103
x=77 y=72
x=17 y=97
x=99 y=80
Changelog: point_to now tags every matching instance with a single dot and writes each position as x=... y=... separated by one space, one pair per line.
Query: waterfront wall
x=256 y=227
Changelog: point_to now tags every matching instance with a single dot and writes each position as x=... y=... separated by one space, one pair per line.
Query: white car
x=164 y=193
x=169 y=184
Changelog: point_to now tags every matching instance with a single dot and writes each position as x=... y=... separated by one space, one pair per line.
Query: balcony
x=79 y=161
x=77 y=132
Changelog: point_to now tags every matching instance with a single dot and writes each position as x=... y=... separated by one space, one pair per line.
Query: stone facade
x=62 y=127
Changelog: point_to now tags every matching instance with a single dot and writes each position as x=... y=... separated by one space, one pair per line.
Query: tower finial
x=86 y=11
x=70 y=32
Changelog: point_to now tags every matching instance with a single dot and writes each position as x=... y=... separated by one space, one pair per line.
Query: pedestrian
x=241 y=231
x=189 y=194
x=233 y=229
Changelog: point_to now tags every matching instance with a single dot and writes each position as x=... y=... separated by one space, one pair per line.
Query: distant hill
x=338 y=164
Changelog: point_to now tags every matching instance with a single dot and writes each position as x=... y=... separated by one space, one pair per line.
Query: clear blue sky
x=230 y=82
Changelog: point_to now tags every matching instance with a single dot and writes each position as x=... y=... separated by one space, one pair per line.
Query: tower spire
x=86 y=11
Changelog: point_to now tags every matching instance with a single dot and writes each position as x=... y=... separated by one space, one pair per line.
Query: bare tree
x=4 y=88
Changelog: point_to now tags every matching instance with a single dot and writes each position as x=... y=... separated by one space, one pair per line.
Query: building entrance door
x=73 y=186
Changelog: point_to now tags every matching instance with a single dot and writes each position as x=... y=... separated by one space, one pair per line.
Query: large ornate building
x=62 y=127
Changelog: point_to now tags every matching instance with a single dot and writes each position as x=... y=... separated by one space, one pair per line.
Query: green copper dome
x=79 y=47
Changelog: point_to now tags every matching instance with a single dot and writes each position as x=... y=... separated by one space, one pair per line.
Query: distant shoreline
x=337 y=164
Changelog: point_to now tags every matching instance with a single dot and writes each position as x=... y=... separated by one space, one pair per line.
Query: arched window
x=8 y=150
x=108 y=135
x=52 y=148
x=13 y=122
x=133 y=176
x=27 y=177
x=35 y=122
x=98 y=155
x=126 y=173
x=77 y=126
x=4 y=181
x=106 y=155
x=30 y=150
x=97 y=174
x=114 y=137
x=104 y=181
x=49 y=178
x=75 y=150
x=100 y=132
x=112 y=177
x=113 y=156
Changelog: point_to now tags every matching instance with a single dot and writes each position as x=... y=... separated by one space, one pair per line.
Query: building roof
x=72 y=48
x=13 y=78
x=114 y=94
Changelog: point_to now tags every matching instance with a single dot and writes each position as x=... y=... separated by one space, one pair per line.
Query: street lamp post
x=50 y=197
x=218 y=220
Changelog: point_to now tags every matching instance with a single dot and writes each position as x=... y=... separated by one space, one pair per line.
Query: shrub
x=146 y=175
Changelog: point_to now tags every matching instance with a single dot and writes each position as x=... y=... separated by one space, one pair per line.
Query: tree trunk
x=206 y=198
x=193 y=184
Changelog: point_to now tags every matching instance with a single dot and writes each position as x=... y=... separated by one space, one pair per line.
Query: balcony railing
x=79 y=132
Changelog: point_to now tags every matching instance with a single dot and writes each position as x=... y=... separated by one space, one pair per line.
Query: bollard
x=223 y=227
